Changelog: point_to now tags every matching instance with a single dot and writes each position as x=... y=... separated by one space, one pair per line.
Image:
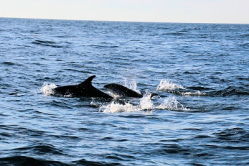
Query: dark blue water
x=201 y=117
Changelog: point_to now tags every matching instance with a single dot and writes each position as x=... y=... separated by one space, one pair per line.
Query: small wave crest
x=47 y=89
x=46 y=43
x=165 y=85
x=145 y=104
x=25 y=160
x=41 y=149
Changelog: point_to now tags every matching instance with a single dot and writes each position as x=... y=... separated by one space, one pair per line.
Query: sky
x=187 y=11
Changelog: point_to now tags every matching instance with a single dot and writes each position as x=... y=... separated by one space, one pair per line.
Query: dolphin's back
x=122 y=90
x=69 y=90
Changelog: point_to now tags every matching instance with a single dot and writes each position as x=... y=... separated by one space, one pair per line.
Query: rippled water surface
x=200 y=72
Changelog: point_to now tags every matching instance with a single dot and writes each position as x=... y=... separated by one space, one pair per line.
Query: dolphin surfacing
x=84 y=89
x=122 y=91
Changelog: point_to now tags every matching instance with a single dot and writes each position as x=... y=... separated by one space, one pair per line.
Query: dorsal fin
x=88 y=81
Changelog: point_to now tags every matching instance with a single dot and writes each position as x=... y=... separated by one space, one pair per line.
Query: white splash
x=168 y=85
x=145 y=104
x=171 y=103
x=116 y=108
x=131 y=84
x=47 y=89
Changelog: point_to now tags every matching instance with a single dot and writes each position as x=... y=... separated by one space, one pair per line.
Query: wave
x=173 y=149
x=175 y=33
x=232 y=134
x=104 y=46
x=8 y=63
x=24 y=160
x=40 y=149
x=95 y=163
x=244 y=35
x=230 y=91
x=245 y=45
x=30 y=161
x=46 y=43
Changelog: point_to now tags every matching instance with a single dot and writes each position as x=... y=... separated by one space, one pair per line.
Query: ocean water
x=200 y=71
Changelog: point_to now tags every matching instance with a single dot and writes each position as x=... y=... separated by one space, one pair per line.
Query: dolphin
x=122 y=91
x=84 y=89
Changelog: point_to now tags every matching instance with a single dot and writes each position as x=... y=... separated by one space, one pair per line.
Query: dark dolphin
x=84 y=89
x=122 y=91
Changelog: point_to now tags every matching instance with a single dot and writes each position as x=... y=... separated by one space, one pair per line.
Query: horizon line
x=61 y=19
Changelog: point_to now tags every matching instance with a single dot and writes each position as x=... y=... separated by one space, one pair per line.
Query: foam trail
x=197 y=93
x=47 y=89
x=168 y=85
